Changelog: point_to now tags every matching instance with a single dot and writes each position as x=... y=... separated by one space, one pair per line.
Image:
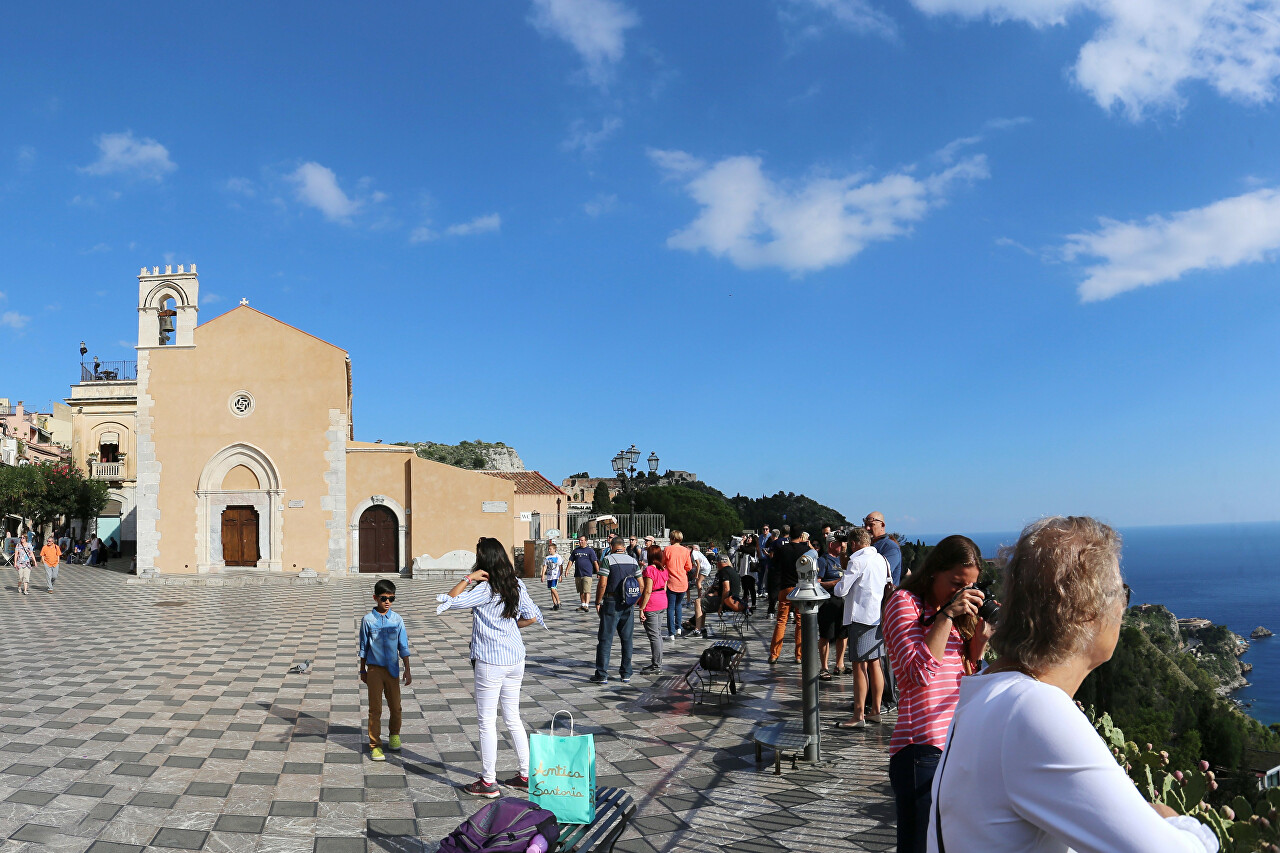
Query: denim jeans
x=675 y=611
x=614 y=618
x=911 y=772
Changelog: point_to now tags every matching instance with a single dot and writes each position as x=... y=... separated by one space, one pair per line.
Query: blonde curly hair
x=1060 y=581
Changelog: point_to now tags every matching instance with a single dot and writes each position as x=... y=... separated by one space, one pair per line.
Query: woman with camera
x=1024 y=770
x=935 y=637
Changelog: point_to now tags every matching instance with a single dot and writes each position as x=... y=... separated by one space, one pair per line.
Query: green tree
x=50 y=492
x=600 y=500
x=786 y=508
x=699 y=515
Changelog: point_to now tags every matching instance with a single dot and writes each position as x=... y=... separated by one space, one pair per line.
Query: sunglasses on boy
x=386 y=598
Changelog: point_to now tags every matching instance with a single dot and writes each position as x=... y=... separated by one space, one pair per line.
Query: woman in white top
x=1023 y=769
x=500 y=606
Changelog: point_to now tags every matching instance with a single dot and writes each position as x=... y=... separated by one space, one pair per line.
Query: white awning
x=109 y=438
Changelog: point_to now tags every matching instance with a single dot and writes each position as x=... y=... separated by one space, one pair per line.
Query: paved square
x=162 y=718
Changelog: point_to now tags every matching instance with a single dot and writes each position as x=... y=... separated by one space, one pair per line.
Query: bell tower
x=167 y=307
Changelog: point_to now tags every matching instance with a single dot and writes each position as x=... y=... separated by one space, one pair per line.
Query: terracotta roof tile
x=529 y=482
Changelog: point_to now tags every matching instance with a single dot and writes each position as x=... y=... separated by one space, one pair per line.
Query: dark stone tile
x=658 y=823
x=388 y=826
x=153 y=730
x=35 y=832
x=344 y=758
x=342 y=795
x=114 y=737
x=208 y=789
x=77 y=763
x=208 y=734
x=181 y=839
x=188 y=761
x=88 y=789
x=291 y=808
x=126 y=756
x=19 y=747
x=69 y=742
x=303 y=768
x=31 y=798
x=153 y=800
x=113 y=847
x=140 y=770
x=340 y=845
x=25 y=769
x=104 y=811
x=247 y=778
x=270 y=746
x=232 y=754
x=385 y=781
x=240 y=823
x=445 y=809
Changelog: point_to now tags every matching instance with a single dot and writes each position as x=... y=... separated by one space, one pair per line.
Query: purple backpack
x=507 y=825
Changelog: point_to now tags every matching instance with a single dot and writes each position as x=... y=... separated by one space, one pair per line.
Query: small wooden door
x=379 y=538
x=240 y=536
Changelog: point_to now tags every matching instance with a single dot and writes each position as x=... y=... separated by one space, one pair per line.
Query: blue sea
x=1226 y=573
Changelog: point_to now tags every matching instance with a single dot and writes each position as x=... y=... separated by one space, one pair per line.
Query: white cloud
x=596 y=29
x=600 y=205
x=241 y=186
x=582 y=138
x=1239 y=230
x=26 y=158
x=210 y=298
x=807 y=225
x=14 y=320
x=1145 y=51
x=479 y=225
x=860 y=16
x=125 y=154
x=317 y=186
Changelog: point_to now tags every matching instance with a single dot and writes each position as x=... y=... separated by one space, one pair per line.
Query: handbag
x=562 y=773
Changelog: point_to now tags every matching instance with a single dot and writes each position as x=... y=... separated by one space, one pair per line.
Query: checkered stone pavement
x=142 y=717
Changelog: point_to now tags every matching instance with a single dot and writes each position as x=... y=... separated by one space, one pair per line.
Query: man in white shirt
x=702 y=571
x=862 y=587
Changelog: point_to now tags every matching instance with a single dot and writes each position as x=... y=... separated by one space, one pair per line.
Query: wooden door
x=379 y=540
x=240 y=536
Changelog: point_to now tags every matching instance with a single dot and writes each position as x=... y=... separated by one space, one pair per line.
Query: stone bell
x=807 y=588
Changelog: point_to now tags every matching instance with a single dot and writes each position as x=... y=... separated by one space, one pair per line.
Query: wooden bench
x=614 y=809
x=784 y=737
x=703 y=682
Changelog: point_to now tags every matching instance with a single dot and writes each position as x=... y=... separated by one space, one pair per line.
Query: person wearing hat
x=724 y=594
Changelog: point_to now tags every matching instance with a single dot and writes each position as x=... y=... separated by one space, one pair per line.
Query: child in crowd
x=383 y=645
x=551 y=573
x=500 y=606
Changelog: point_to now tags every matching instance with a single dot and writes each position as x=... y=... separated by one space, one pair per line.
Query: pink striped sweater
x=928 y=690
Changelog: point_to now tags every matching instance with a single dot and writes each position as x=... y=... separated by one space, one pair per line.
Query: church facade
x=243 y=454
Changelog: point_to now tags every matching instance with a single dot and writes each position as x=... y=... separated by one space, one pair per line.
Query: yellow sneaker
x=376 y=754
x=394 y=743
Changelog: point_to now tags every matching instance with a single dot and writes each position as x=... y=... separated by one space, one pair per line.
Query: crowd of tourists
x=988 y=752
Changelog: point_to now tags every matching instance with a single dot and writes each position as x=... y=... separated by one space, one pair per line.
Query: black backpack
x=717 y=659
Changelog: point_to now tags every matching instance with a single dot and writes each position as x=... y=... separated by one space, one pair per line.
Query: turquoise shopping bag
x=562 y=773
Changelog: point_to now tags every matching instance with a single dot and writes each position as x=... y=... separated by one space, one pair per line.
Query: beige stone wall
x=545 y=504
x=441 y=506
x=297 y=382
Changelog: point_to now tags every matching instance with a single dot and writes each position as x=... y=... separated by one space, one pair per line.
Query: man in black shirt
x=784 y=567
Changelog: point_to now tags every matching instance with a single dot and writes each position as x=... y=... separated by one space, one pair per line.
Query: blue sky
x=963 y=261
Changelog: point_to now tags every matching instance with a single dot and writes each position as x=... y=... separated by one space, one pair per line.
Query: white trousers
x=496 y=684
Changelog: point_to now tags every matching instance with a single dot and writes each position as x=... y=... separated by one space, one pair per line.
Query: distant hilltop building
x=672 y=477
x=229 y=444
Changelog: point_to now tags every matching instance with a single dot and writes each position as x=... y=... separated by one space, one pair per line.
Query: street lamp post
x=624 y=466
x=808 y=597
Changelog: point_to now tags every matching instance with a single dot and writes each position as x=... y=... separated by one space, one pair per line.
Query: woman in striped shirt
x=935 y=637
x=500 y=606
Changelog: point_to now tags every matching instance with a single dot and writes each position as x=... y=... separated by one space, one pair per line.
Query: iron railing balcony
x=109 y=371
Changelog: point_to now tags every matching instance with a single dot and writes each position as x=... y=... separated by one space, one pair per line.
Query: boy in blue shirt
x=383 y=644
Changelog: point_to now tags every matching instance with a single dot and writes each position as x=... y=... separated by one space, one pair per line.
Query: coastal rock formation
x=1260 y=633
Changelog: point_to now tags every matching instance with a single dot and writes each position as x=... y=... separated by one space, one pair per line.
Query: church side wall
x=447 y=508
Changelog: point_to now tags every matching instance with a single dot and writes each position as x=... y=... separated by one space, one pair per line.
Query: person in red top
x=678 y=562
x=935 y=637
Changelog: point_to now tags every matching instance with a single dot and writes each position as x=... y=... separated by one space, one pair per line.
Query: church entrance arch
x=239 y=517
x=379 y=532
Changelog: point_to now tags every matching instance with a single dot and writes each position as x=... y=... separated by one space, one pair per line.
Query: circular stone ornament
x=241 y=404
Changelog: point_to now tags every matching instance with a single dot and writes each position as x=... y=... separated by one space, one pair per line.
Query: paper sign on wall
x=493 y=506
